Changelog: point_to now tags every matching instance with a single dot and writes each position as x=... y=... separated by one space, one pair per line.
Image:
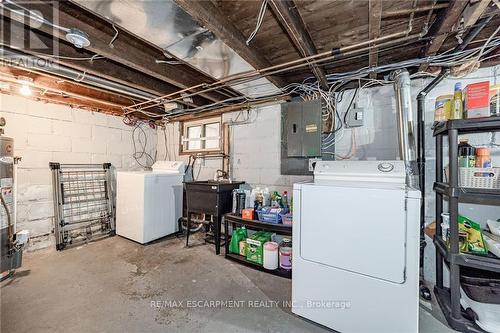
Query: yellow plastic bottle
x=458 y=106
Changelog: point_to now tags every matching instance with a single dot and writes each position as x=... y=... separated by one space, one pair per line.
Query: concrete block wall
x=49 y=132
x=255 y=150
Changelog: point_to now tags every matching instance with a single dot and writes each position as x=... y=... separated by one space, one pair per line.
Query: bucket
x=286 y=254
x=270 y=255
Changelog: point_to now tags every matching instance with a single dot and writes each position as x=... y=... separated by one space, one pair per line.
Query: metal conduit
x=25 y=61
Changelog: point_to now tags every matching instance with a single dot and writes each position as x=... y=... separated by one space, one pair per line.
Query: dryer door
x=361 y=230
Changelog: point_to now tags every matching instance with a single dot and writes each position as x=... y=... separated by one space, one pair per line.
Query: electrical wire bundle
x=140 y=141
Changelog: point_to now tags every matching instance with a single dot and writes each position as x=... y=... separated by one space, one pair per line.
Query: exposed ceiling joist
x=208 y=15
x=440 y=30
x=126 y=49
x=52 y=89
x=402 y=12
x=473 y=12
x=289 y=17
x=374 y=24
x=99 y=67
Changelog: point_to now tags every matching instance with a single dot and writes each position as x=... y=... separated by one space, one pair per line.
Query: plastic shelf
x=242 y=260
x=476 y=194
x=468 y=125
x=489 y=263
x=461 y=324
x=282 y=229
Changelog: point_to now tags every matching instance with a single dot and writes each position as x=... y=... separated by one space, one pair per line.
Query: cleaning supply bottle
x=266 y=197
x=276 y=199
x=284 y=200
x=483 y=158
x=458 y=107
x=466 y=154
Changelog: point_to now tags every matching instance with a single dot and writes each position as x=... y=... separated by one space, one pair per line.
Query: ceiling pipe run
x=283 y=67
x=24 y=61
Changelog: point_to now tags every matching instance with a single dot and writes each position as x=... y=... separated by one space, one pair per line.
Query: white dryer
x=149 y=203
x=356 y=248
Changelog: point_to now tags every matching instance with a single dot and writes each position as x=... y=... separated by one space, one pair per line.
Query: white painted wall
x=49 y=132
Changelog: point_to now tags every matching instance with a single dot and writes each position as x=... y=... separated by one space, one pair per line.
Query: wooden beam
x=443 y=26
x=289 y=17
x=103 y=68
x=403 y=12
x=65 y=87
x=374 y=24
x=208 y=15
x=127 y=49
x=473 y=12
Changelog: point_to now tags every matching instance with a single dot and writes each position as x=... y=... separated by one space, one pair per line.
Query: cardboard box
x=255 y=246
x=477 y=100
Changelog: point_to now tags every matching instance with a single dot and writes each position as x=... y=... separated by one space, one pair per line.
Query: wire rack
x=83 y=202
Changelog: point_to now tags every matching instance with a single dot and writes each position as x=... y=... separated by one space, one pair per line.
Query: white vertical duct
x=406 y=121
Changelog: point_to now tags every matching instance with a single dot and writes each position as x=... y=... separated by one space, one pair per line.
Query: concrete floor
x=115 y=285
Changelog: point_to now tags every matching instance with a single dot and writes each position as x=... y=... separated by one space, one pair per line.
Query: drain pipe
x=424 y=291
x=406 y=125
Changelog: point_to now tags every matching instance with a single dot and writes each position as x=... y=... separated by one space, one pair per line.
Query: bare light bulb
x=25 y=90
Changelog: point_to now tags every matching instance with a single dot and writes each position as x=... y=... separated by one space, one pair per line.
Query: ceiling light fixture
x=26 y=83
x=78 y=38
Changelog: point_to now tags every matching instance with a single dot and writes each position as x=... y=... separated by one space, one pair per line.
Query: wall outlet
x=355 y=117
x=312 y=163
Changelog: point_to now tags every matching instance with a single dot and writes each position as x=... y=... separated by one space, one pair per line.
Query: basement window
x=201 y=136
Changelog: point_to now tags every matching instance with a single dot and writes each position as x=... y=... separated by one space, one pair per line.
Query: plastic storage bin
x=480 y=292
x=264 y=216
x=487 y=178
x=287 y=219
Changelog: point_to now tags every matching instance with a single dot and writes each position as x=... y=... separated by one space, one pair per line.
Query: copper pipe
x=402 y=12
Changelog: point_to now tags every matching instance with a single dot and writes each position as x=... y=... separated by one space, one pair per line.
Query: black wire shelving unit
x=449 y=298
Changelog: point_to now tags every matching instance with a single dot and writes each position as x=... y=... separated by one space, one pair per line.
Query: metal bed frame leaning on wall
x=83 y=203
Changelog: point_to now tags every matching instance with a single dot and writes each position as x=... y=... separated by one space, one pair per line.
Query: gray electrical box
x=303 y=128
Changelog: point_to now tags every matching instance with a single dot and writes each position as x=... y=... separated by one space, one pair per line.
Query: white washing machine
x=356 y=248
x=149 y=203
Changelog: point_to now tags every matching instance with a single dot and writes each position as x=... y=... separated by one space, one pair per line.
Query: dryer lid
x=391 y=172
